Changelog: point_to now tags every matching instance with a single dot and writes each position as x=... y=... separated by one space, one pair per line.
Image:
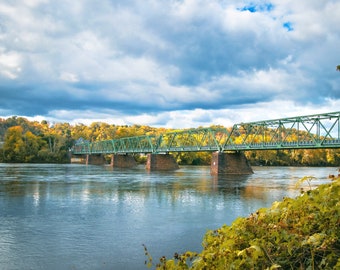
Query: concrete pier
x=230 y=163
x=95 y=160
x=123 y=161
x=79 y=159
x=161 y=162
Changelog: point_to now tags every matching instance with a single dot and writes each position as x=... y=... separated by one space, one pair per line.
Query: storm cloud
x=179 y=63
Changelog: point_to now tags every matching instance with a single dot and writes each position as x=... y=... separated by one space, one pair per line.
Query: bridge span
x=301 y=132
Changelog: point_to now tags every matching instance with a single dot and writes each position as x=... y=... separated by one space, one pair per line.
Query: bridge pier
x=229 y=163
x=161 y=162
x=95 y=159
x=78 y=159
x=123 y=161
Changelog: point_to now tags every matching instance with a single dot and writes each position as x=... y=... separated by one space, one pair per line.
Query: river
x=93 y=217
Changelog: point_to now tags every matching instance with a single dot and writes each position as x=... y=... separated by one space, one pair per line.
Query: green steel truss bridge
x=301 y=132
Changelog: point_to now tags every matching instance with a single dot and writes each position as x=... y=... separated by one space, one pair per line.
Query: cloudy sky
x=168 y=63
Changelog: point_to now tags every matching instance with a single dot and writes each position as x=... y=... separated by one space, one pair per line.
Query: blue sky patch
x=288 y=26
x=266 y=7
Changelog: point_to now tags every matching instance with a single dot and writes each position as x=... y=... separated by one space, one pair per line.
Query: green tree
x=338 y=67
x=32 y=146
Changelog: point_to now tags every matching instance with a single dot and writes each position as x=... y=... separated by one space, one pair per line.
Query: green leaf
x=304 y=179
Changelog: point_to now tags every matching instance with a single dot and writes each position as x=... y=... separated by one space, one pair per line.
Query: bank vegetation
x=301 y=233
x=24 y=141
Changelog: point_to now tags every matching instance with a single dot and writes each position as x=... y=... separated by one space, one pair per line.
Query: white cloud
x=194 y=118
x=69 y=77
x=173 y=63
x=10 y=64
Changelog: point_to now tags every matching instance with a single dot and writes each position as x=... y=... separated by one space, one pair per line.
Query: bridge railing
x=284 y=145
x=316 y=131
x=303 y=132
x=192 y=140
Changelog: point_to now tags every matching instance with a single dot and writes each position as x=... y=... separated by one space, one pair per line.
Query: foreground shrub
x=301 y=233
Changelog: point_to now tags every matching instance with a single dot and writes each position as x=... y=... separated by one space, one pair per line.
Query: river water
x=93 y=217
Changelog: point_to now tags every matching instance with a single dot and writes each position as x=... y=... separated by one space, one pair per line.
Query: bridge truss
x=313 y=131
x=302 y=132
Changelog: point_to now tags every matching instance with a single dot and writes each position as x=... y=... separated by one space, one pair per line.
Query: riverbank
x=301 y=233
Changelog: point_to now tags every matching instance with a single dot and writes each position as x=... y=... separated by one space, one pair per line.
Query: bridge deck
x=301 y=132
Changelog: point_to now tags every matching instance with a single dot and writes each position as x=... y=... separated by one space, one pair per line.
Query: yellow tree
x=33 y=144
x=14 y=145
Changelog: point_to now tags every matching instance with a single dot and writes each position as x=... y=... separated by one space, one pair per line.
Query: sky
x=168 y=63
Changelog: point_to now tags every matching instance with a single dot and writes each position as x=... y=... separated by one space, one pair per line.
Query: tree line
x=24 y=141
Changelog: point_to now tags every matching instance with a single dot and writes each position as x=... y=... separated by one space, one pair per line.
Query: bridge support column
x=161 y=162
x=123 y=161
x=230 y=163
x=78 y=159
x=95 y=160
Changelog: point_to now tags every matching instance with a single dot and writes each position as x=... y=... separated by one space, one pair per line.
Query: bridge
x=302 y=132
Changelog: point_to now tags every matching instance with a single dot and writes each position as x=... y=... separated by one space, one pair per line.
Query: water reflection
x=85 y=183
x=92 y=217
x=189 y=184
x=228 y=183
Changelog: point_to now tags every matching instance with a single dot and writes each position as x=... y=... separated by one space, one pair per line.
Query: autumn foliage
x=22 y=140
x=301 y=233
